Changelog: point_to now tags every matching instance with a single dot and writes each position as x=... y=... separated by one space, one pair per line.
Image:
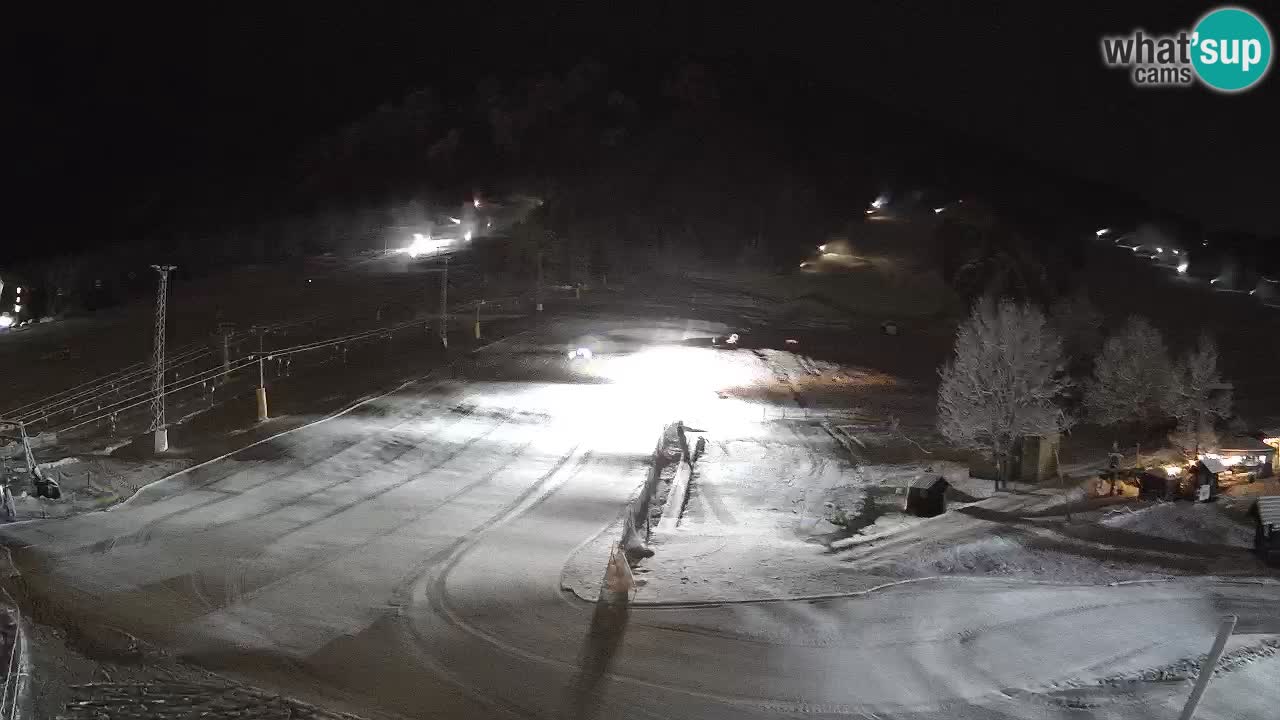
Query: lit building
x=1271 y=437
x=1245 y=455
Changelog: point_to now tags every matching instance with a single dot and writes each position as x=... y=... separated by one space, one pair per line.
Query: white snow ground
x=406 y=556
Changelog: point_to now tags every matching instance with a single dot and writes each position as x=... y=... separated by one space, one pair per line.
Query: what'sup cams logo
x=1229 y=51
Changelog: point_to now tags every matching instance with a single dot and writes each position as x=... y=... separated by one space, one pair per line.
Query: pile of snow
x=114 y=446
x=885 y=525
x=60 y=462
x=992 y=555
x=1184 y=522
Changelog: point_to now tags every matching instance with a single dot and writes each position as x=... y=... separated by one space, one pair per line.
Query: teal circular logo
x=1231 y=49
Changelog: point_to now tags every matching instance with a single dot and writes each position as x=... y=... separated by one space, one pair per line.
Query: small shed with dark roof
x=926 y=494
x=1207 y=472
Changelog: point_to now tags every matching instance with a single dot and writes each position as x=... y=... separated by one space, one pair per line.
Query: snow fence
x=640 y=510
x=638 y=514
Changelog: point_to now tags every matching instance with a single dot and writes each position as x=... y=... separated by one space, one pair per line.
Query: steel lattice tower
x=157 y=360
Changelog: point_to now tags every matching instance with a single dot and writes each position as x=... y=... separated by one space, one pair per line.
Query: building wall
x=1038 y=462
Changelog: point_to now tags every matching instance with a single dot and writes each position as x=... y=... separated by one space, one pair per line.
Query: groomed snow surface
x=404 y=556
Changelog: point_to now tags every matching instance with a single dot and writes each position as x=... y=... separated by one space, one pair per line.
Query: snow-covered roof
x=923 y=481
x=1268 y=509
x=1244 y=444
x=1213 y=465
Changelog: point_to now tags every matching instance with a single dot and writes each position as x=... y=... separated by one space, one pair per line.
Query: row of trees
x=1010 y=378
x=1136 y=383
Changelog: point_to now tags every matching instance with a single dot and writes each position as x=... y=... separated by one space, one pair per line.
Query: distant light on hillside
x=1182 y=267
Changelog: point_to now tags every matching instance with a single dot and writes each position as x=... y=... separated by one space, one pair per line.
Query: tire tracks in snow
x=234 y=584
x=235 y=588
x=431 y=584
x=276 y=507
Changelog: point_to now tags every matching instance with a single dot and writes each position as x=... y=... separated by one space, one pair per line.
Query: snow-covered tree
x=1131 y=377
x=1197 y=397
x=1003 y=382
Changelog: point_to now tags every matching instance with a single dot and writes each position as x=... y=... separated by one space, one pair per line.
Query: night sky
x=114 y=108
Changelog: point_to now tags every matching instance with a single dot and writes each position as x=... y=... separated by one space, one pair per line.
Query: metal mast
x=157 y=361
x=444 y=304
x=537 y=295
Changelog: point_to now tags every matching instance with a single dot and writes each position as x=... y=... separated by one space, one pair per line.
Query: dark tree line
x=648 y=168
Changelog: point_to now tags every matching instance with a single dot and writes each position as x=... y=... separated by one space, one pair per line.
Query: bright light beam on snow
x=423 y=245
x=675 y=369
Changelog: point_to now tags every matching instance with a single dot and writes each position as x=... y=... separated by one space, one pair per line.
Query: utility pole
x=224 y=330
x=537 y=294
x=261 y=391
x=158 y=425
x=1062 y=480
x=478 y=318
x=1196 y=430
x=1205 y=674
x=444 y=305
